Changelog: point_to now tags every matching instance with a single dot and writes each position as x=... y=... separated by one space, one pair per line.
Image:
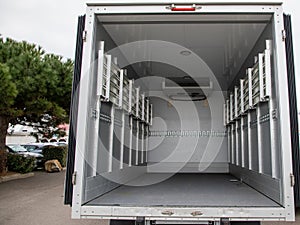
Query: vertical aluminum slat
x=111 y=138
x=268 y=69
x=249 y=72
x=131 y=89
x=227 y=111
x=100 y=69
x=261 y=76
x=151 y=114
x=232 y=144
x=273 y=139
x=227 y=131
x=236 y=107
x=242 y=96
x=137 y=102
x=224 y=115
x=249 y=140
x=146 y=146
x=259 y=139
x=108 y=75
x=231 y=107
x=142 y=144
x=237 y=155
x=130 y=140
x=242 y=122
x=242 y=142
x=125 y=93
x=94 y=149
x=121 y=89
x=122 y=143
x=259 y=114
x=137 y=143
x=99 y=90
x=143 y=108
x=147 y=111
x=229 y=144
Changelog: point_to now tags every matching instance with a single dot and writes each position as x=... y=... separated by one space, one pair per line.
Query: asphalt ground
x=38 y=200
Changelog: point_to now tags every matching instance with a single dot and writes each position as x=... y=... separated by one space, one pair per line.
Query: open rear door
x=73 y=112
x=293 y=106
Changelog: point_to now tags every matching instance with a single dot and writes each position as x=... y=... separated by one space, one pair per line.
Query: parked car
x=32 y=147
x=61 y=143
x=21 y=130
x=18 y=149
x=37 y=147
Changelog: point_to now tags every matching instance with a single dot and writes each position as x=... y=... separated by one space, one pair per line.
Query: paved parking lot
x=38 y=200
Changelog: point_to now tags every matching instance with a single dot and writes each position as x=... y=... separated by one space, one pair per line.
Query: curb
x=15 y=177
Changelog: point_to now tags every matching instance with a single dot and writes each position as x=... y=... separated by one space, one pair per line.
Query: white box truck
x=184 y=113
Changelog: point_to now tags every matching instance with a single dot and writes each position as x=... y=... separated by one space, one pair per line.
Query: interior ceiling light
x=185 y=53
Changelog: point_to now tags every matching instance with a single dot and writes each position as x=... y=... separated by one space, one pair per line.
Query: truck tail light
x=182 y=8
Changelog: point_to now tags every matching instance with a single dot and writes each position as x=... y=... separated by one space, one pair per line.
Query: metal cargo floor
x=188 y=190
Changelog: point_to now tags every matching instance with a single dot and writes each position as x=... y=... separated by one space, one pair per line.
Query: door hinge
x=74 y=178
x=283 y=35
x=292 y=180
x=84 y=35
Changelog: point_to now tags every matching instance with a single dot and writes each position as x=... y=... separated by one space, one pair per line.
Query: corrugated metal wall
x=293 y=106
x=73 y=111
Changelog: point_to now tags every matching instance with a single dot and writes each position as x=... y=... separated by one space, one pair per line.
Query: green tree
x=8 y=92
x=32 y=84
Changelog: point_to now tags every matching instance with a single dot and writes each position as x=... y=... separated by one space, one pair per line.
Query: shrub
x=56 y=152
x=20 y=164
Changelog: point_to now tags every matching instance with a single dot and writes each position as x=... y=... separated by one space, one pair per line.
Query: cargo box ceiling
x=223 y=42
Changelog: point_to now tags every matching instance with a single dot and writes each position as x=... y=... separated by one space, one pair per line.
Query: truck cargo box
x=183 y=112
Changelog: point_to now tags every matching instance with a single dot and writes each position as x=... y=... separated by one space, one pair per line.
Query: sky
x=52 y=24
